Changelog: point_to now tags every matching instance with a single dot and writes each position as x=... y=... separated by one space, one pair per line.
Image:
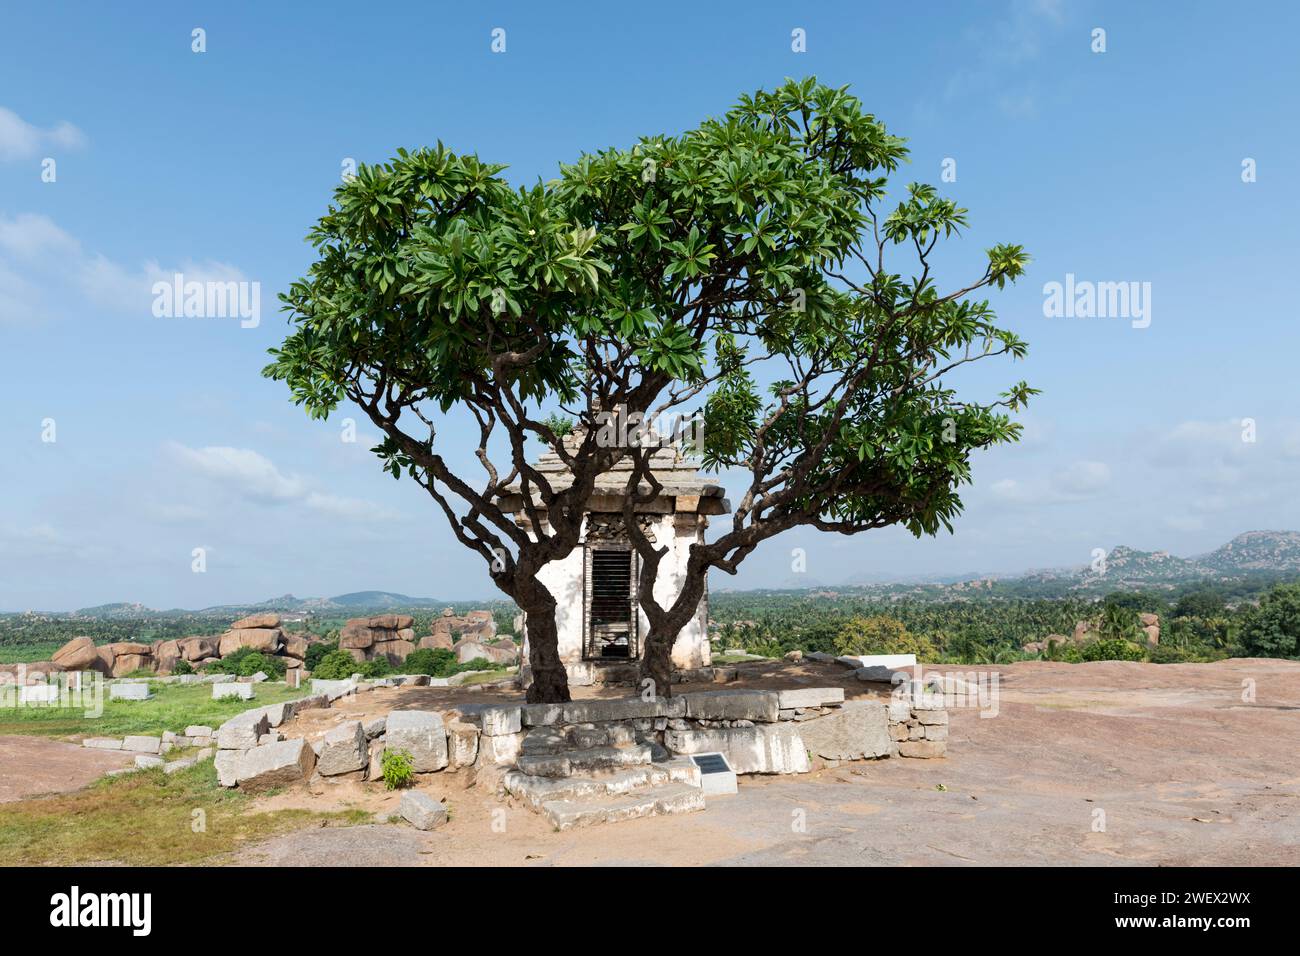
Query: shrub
x=379 y=667
x=246 y=662
x=1113 y=649
x=336 y=665
x=318 y=650
x=183 y=667
x=399 y=768
x=432 y=661
x=880 y=634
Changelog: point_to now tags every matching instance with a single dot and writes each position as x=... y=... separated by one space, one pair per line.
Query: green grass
x=145 y=819
x=173 y=707
x=22 y=653
x=488 y=676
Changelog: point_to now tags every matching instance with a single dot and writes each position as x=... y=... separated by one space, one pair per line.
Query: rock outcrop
x=385 y=635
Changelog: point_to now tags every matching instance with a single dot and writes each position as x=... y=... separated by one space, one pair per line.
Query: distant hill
x=374 y=599
x=1250 y=561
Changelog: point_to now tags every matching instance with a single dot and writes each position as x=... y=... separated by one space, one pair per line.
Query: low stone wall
x=760 y=731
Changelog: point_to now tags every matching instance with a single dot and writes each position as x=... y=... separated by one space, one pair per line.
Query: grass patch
x=488 y=677
x=25 y=653
x=145 y=818
x=173 y=707
x=737 y=658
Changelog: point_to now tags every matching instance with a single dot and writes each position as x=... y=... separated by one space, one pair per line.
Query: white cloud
x=39 y=261
x=252 y=476
x=243 y=471
x=19 y=139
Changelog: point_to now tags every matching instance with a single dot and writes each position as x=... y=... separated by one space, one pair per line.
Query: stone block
x=232 y=689
x=242 y=731
x=931 y=717
x=275 y=765
x=422 y=811
x=936 y=732
x=148 y=761
x=333 y=689
x=141 y=744
x=619 y=708
x=497 y=721
x=462 y=744
x=375 y=728
x=761 y=705
x=809 y=697
x=766 y=748
x=922 y=748
x=499 y=751
x=422 y=735
x=226 y=763
x=542 y=715
x=856 y=731
x=344 y=750
x=102 y=743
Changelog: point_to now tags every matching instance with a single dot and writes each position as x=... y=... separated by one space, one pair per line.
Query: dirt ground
x=1106 y=764
x=33 y=766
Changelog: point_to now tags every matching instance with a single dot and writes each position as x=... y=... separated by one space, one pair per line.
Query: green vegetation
x=399 y=769
x=1197 y=623
x=440 y=662
x=173 y=707
x=246 y=662
x=1273 y=629
x=146 y=818
x=336 y=665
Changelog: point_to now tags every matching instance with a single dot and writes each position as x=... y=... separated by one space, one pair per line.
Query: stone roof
x=677 y=472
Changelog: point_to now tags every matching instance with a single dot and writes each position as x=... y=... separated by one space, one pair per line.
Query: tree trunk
x=657 y=662
x=550 y=680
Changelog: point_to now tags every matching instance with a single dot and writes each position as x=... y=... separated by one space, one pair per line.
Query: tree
x=644 y=281
x=881 y=635
x=1273 y=629
x=858 y=428
x=1118 y=623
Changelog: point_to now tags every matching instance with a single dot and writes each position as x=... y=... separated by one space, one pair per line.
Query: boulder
x=421 y=811
x=421 y=734
x=78 y=654
x=198 y=648
x=356 y=635
x=165 y=655
x=436 y=640
x=295 y=645
x=388 y=622
x=343 y=750
x=256 y=620
x=856 y=731
x=467 y=650
x=130 y=663
x=264 y=639
x=395 y=651
x=275 y=765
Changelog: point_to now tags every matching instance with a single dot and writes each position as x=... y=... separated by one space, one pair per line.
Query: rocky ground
x=1107 y=763
x=1104 y=764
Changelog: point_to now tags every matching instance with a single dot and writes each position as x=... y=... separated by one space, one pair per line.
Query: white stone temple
x=601 y=628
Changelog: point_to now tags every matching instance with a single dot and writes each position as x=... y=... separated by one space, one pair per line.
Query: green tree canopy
x=737 y=271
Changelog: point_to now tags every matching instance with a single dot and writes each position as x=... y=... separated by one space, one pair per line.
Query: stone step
x=536 y=790
x=656 y=801
x=567 y=763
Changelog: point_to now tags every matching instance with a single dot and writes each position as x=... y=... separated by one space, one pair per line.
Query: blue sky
x=1122 y=166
